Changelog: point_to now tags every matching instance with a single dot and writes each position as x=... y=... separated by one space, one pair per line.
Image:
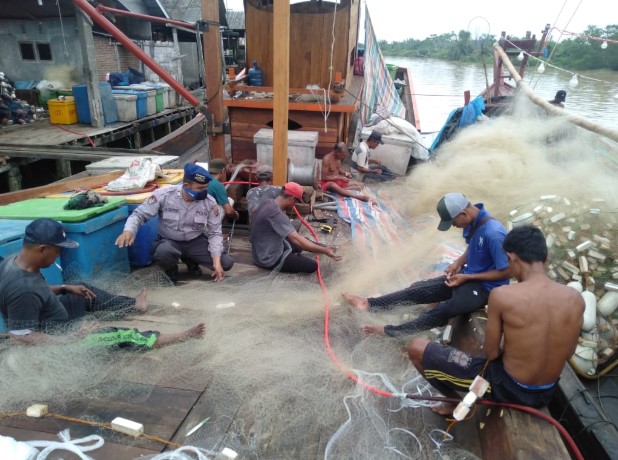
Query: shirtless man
x=532 y=329
x=335 y=179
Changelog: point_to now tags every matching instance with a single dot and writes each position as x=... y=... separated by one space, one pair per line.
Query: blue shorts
x=447 y=369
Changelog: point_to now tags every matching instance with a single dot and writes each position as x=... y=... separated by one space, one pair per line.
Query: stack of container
x=141 y=101
x=127 y=106
x=82 y=98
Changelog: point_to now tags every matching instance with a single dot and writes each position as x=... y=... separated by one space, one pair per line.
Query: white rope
x=556 y=67
x=76 y=445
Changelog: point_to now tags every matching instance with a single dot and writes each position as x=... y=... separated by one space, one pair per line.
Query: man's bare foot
x=195 y=331
x=371 y=329
x=361 y=303
x=443 y=409
x=140 y=301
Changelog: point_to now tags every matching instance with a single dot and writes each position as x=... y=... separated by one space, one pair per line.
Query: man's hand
x=126 y=238
x=371 y=329
x=81 y=291
x=218 y=273
x=452 y=269
x=330 y=252
x=456 y=280
x=347 y=174
x=376 y=171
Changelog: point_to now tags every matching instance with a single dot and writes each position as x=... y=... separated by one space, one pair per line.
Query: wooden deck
x=43 y=132
x=177 y=402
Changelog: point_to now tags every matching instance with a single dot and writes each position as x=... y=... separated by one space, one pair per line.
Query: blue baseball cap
x=197 y=174
x=48 y=231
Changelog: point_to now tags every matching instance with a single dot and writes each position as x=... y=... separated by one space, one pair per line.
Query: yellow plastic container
x=62 y=111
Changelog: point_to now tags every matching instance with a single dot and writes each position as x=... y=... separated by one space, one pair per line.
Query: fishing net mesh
x=269 y=387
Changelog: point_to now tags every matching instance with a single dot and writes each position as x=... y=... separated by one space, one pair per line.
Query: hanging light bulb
x=520 y=56
x=574 y=82
x=541 y=67
x=604 y=45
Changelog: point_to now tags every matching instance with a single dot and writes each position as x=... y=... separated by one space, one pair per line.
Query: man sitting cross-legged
x=335 y=179
x=532 y=329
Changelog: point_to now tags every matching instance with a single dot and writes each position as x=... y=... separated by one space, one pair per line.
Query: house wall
x=190 y=64
x=67 y=69
x=12 y=32
x=111 y=56
x=166 y=55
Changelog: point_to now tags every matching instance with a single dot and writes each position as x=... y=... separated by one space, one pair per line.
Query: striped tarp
x=379 y=94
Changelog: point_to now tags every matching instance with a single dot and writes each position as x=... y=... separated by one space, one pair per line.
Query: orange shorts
x=340 y=183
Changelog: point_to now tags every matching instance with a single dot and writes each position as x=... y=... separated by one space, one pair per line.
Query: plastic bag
x=141 y=171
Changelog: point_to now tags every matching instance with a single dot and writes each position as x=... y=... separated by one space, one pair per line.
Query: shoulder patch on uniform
x=152 y=199
x=215 y=210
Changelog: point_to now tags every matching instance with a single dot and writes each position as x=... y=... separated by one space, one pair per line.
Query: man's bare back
x=541 y=321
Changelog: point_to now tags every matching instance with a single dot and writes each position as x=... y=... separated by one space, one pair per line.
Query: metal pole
x=134 y=49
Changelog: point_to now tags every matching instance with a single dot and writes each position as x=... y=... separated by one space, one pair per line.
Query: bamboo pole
x=575 y=119
x=281 y=80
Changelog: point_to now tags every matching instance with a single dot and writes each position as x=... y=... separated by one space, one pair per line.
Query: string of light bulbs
x=604 y=44
x=541 y=68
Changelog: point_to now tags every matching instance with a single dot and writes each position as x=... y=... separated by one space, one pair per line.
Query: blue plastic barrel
x=81 y=95
x=256 y=75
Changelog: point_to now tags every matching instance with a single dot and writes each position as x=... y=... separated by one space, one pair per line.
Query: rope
x=558 y=68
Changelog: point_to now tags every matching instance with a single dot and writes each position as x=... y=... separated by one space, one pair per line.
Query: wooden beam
x=212 y=64
x=59 y=187
x=84 y=30
x=281 y=80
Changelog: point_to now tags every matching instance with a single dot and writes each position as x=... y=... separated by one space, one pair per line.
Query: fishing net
x=264 y=382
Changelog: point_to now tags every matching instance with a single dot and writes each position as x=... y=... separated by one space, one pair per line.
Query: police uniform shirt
x=180 y=220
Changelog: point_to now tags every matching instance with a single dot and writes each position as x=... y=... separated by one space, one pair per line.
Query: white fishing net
x=265 y=381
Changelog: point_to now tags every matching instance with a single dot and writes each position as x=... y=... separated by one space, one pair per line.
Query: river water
x=439 y=87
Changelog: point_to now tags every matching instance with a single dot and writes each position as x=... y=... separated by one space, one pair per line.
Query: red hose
x=548 y=418
x=351 y=376
x=115 y=32
x=77 y=134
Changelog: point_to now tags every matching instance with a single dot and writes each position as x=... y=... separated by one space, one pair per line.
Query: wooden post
x=281 y=88
x=84 y=30
x=63 y=169
x=212 y=63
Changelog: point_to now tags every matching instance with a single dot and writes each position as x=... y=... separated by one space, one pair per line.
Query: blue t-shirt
x=218 y=192
x=485 y=251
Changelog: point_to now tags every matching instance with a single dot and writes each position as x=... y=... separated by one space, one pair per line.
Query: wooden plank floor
x=178 y=401
x=43 y=132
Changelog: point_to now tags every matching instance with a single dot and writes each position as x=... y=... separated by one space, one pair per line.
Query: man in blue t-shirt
x=467 y=282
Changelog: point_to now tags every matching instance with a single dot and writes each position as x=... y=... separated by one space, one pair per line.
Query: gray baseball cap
x=449 y=207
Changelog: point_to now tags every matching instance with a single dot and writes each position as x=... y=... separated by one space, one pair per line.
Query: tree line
x=574 y=53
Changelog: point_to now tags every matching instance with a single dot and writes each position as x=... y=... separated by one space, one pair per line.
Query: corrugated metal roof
x=190 y=10
x=235 y=20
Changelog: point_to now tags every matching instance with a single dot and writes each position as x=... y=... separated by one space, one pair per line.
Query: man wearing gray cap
x=467 y=282
x=264 y=191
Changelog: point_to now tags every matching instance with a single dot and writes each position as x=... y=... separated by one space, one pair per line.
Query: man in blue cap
x=30 y=306
x=466 y=283
x=189 y=225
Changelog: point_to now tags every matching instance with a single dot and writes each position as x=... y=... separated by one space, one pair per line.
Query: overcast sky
x=396 y=20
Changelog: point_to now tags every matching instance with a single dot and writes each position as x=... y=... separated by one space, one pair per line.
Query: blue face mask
x=195 y=195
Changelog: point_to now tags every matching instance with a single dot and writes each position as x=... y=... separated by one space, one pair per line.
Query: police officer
x=189 y=225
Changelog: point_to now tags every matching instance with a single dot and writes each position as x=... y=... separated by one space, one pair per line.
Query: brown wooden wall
x=310 y=42
x=245 y=122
